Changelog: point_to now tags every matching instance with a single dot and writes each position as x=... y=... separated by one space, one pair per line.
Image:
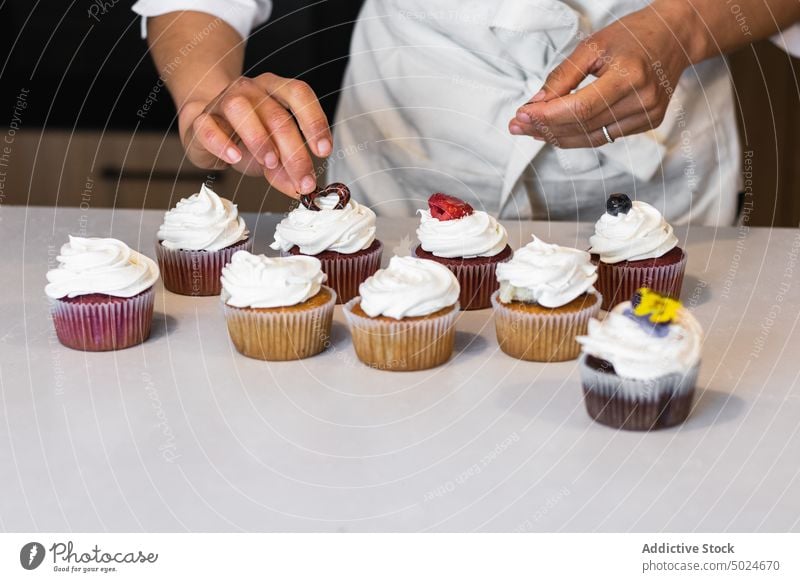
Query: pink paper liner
x=196 y=273
x=280 y=336
x=402 y=345
x=636 y=404
x=618 y=282
x=542 y=337
x=346 y=272
x=477 y=281
x=100 y=327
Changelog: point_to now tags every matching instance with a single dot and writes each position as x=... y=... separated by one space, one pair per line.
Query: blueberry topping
x=618 y=203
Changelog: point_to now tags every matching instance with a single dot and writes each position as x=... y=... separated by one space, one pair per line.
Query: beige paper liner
x=402 y=345
x=196 y=273
x=101 y=327
x=280 y=336
x=542 y=337
x=636 y=404
x=618 y=282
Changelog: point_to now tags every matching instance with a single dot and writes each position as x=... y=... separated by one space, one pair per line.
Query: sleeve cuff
x=789 y=40
x=242 y=15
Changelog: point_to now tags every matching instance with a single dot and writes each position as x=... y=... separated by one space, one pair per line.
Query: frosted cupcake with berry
x=469 y=242
x=640 y=363
x=633 y=246
x=197 y=238
x=338 y=231
x=277 y=309
x=404 y=318
x=546 y=299
x=102 y=294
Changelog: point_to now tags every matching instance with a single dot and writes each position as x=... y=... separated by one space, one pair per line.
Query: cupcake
x=277 y=308
x=633 y=247
x=405 y=316
x=198 y=237
x=546 y=299
x=339 y=232
x=468 y=242
x=640 y=363
x=102 y=294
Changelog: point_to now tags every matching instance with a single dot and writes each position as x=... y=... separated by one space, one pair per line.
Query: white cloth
x=432 y=84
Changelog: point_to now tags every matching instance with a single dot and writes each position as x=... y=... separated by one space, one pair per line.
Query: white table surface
x=183 y=433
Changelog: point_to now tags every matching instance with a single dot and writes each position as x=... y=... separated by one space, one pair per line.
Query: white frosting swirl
x=475 y=235
x=202 y=222
x=640 y=234
x=636 y=353
x=346 y=230
x=547 y=274
x=409 y=287
x=100 y=265
x=261 y=282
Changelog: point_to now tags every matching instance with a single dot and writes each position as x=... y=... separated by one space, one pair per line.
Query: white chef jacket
x=430 y=88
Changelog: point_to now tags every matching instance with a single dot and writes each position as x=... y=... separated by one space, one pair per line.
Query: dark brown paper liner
x=618 y=282
x=542 y=337
x=477 y=281
x=101 y=327
x=278 y=336
x=631 y=404
x=402 y=345
x=196 y=273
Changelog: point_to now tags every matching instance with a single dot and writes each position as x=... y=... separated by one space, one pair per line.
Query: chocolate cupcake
x=633 y=246
x=277 y=309
x=468 y=242
x=338 y=231
x=546 y=299
x=102 y=295
x=404 y=319
x=197 y=238
x=640 y=364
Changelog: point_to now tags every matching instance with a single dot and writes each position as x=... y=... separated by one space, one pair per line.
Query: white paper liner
x=402 y=345
x=542 y=337
x=100 y=327
x=280 y=336
x=618 y=282
x=196 y=273
x=638 y=404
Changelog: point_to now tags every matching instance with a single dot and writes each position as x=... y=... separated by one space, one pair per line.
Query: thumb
x=567 y=75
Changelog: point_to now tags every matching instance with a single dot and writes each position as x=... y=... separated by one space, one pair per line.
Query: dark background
x=87 y=78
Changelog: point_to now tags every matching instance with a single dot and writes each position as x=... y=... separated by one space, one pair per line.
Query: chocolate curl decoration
x=337 y=188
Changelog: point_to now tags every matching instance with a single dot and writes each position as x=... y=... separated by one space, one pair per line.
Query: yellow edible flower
x=657 y=308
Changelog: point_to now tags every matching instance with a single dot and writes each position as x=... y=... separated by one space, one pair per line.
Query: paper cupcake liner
x=280 y=335
x=101 y=327
x=196 y=273
x=634 y=404
x=402 y=345
x=542 y=337
x=347 y=272
x=618 y=282
x=477 y=281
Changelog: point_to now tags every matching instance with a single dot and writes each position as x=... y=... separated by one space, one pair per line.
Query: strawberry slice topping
x=444 y=207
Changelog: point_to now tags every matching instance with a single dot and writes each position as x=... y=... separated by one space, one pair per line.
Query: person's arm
x=260 y=125
x=638 y=61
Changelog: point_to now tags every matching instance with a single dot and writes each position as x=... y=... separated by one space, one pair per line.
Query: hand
x=260 y=126
x=637 y=61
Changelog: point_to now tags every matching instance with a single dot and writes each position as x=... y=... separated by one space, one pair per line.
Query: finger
x=209 y=136
x=629 y=126
x=630 y=105
x=563 y=79
x=280 y=180
x=582 y=105
x=238 y=110
x=301 y=100
x=294 y=155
